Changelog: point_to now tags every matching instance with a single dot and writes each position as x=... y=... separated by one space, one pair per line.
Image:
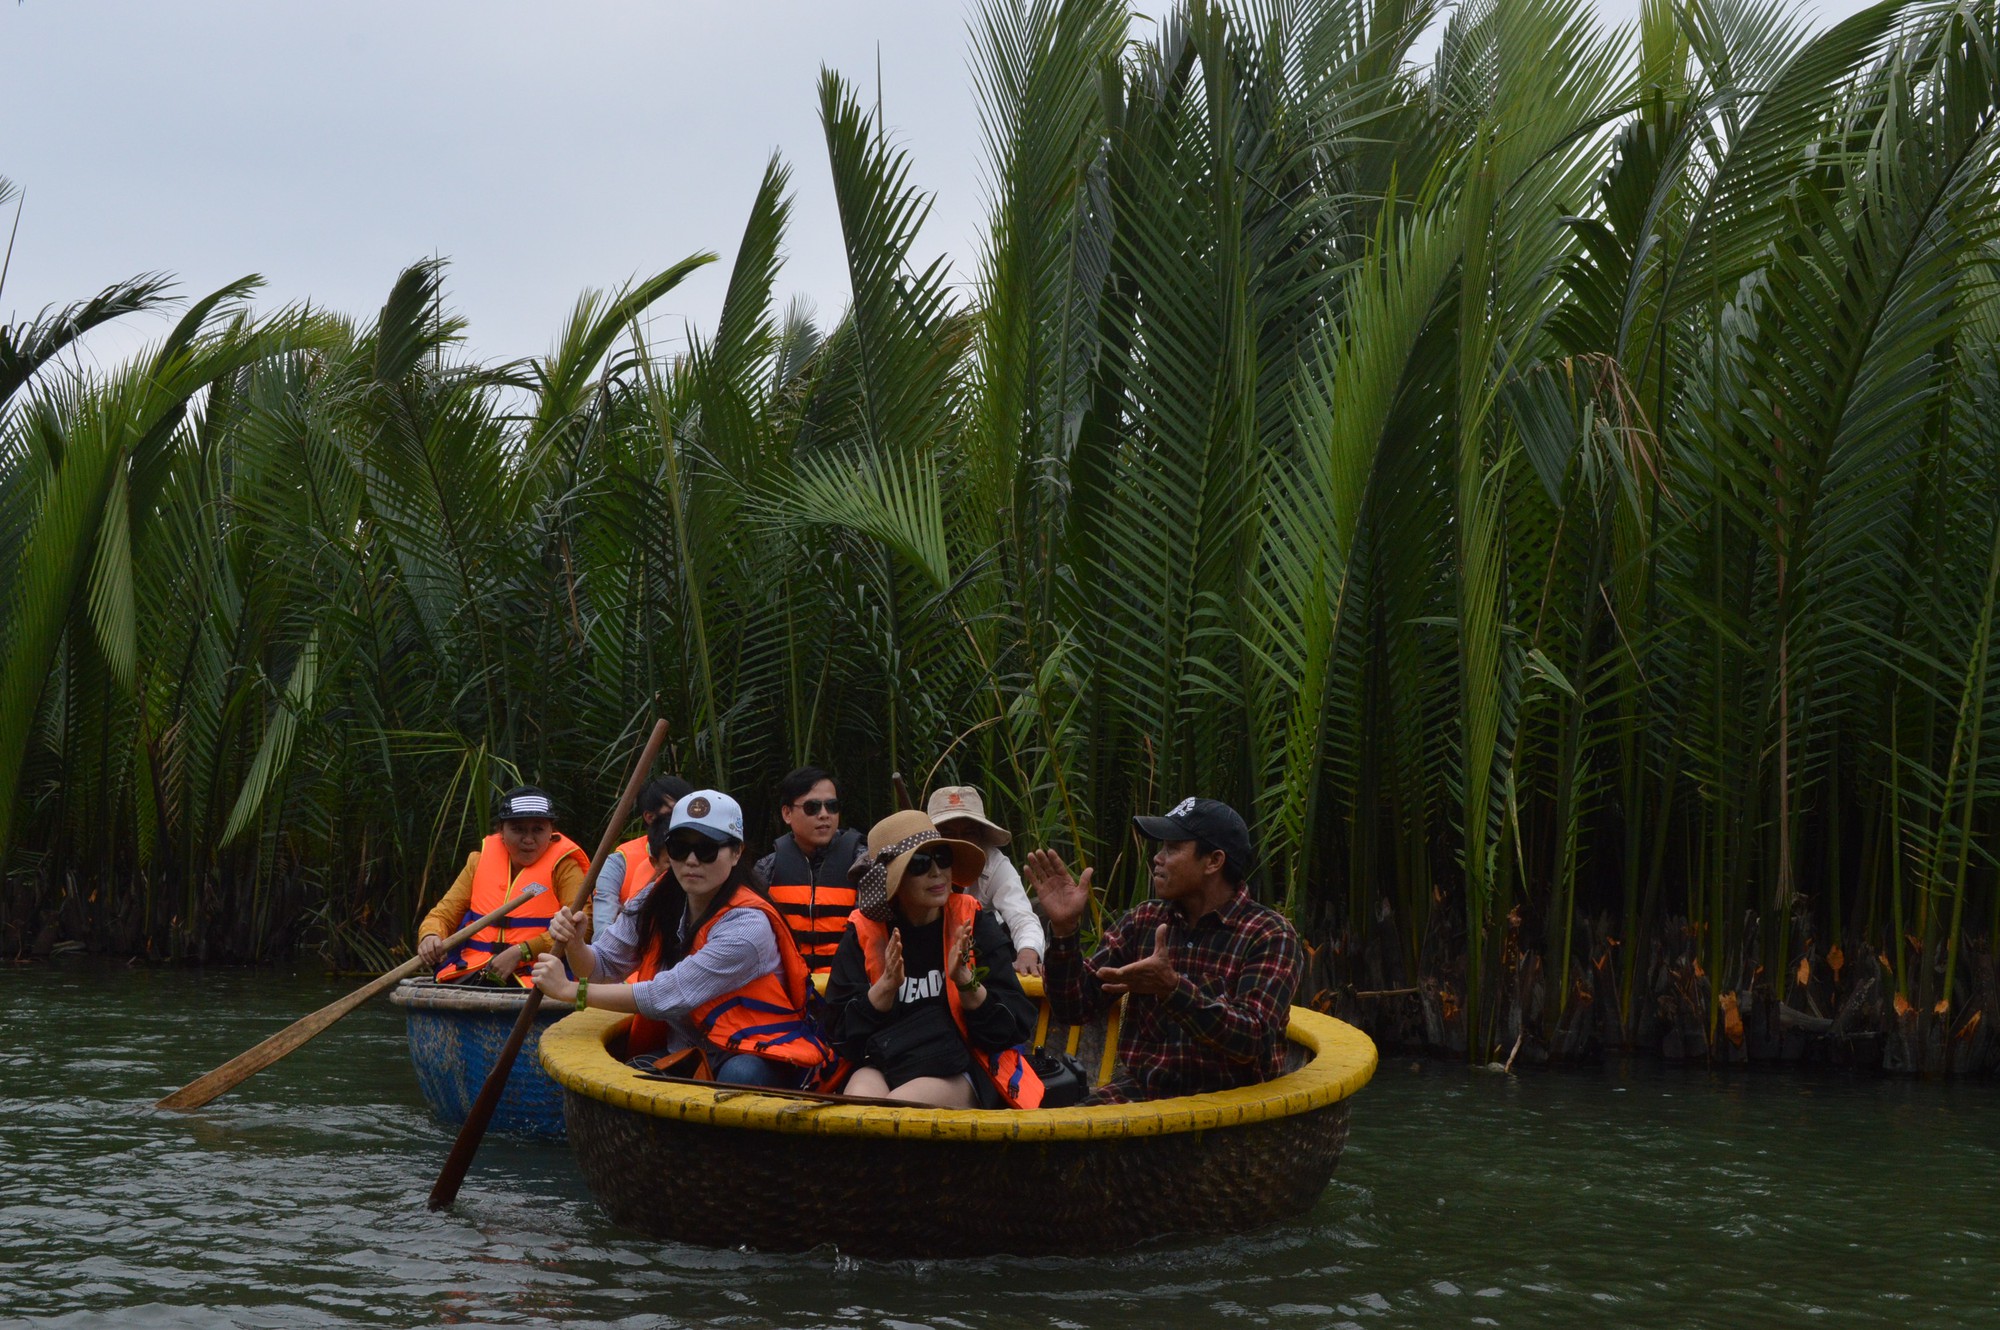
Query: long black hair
x=660 y=913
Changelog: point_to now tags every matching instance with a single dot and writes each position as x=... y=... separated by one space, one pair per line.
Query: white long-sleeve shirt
x=739 y=948
x=999 y=889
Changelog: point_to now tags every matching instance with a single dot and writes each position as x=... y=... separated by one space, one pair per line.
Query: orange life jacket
x=1008 y=1069
x=493 y=883
x=766 y=1016
x=638 y=871
x=815 y=902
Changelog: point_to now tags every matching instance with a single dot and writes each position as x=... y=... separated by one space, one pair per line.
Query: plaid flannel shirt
x=1223 y=1027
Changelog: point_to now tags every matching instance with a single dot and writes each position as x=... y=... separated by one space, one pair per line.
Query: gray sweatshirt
x=604 y=900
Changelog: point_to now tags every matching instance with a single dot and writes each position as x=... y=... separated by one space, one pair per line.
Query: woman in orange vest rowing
x=706 y=963
x=924 y=997
x=524 y=850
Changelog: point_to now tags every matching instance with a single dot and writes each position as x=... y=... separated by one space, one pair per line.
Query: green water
x=1633 y=1196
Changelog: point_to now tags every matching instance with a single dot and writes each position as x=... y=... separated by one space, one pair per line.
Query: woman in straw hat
x=961 y=815
x=925 y=1002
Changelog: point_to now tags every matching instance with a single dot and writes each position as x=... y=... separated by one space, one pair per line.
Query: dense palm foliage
x=1553 y=487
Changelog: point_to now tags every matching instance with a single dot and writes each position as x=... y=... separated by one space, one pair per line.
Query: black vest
x=815 y=901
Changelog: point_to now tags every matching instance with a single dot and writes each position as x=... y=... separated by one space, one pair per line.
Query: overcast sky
x=541 y=148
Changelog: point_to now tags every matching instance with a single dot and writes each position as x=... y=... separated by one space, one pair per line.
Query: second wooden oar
x=452 y=1176
x=245 y=1065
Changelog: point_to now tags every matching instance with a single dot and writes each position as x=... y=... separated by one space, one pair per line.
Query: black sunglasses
x=923 y=861
x=692 y=847
x=813 y=807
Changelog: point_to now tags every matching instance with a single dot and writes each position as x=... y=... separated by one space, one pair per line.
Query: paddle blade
x=286 y=1041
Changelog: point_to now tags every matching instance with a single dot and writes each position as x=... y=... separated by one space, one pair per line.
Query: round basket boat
x=727 y=1166
x=456 y=1033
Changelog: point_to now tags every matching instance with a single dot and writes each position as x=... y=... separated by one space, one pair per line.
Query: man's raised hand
x=1062 y=897
x=1150 y=976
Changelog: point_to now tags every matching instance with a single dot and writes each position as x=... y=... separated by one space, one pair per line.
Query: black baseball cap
x=525 y=801
x=1208 y=820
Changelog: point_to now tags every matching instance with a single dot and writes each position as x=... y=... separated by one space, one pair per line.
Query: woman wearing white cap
x=700 y=959
x=961 y=814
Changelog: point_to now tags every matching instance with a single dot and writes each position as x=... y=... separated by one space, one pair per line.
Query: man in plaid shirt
x=1210 y=972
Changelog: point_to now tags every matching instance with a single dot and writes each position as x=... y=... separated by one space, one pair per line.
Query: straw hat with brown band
x=878 y=871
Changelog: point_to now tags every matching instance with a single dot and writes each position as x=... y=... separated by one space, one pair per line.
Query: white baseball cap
x=712 y=813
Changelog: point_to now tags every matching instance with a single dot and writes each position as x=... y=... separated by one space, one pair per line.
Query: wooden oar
x=902 y=791
x=452 y=1176
x=245 y=1065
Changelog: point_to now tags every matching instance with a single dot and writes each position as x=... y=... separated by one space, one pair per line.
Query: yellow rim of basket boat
x=1341 y=1059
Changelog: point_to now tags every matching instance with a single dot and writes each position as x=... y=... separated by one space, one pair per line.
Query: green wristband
x=583 y=995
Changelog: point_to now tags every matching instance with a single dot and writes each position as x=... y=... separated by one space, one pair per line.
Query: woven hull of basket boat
x=886 y=1196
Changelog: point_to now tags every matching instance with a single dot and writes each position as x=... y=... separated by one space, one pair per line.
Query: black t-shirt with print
x=1005 y=1019
x=917 y=1037
x=923 y=968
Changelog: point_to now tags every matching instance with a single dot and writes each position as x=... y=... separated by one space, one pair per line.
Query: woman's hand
x=566 y=927
x=430 y=949
x=549 y=977
x=882 y=993
x=1028 y=961
x=566 y=931
x=1062 y=898
x=958 y=956
x=958 y=967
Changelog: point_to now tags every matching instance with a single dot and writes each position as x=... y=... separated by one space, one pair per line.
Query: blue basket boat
x=456 y=1033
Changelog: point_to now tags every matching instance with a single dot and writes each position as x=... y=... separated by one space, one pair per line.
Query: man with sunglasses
x=805 y=875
